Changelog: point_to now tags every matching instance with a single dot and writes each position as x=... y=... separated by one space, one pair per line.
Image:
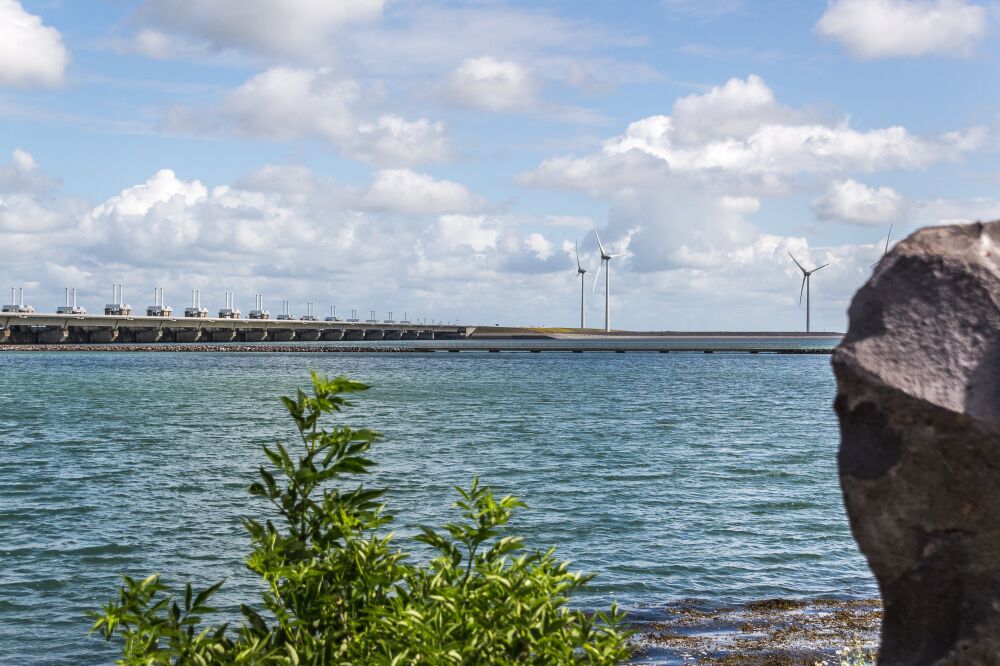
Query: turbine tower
x=886 y=250
x=580 y=271
x=805 y=285
x=606 y=265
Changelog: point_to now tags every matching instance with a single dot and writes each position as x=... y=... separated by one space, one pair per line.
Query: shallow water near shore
x=670 y=476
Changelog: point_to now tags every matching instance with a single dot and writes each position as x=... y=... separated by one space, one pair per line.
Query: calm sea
x=670 y=476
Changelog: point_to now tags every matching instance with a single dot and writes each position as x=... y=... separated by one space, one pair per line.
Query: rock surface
x=918 y=378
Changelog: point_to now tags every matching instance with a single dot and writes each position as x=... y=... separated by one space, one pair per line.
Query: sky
x=442 y=159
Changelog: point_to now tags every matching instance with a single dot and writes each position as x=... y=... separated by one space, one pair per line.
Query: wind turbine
x=886 y=250
x=580 y=271
x=805 y=285
x=606 y=264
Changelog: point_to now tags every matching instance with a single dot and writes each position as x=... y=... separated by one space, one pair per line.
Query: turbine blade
x=802 y=288
x=818 y=267
x=887 y=237
x=599 y=244
x=578 y=266
x=797 y=263
x=597 y=277
x=612 y=256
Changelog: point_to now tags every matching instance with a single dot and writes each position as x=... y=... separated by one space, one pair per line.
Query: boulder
x=918 y=397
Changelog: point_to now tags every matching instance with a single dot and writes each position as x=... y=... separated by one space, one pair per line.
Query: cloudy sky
x=442 y=158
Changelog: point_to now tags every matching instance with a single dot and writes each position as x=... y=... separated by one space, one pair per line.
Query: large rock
x=918 y=378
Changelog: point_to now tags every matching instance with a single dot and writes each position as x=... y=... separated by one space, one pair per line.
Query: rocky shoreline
x=772 y=632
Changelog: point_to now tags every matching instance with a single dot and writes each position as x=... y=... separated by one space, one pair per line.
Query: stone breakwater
x=200 y=348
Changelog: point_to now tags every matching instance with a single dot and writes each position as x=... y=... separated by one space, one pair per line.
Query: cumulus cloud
x=904 y=28
x=281 y=231
x=27 y=201
x=286 y=103
x=490 y=84
x=735 y=109
x=31 y=53
x=736 y=136
x=392 y=139
x=684 y=192
x=856 y=203
x=298 y=28
x=406 y=191
x=683 y=188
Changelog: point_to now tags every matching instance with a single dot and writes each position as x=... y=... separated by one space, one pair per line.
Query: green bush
x=339 y=591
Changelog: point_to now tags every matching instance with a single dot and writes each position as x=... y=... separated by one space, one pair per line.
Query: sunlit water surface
x=670 y=476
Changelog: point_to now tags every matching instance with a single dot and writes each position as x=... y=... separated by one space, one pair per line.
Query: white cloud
x=492 y=85
x=281 y=231
x=736 y=137
x=27 y=205
x=162 y=188
x=394 y=140
x=22 y=161
x=287 y=103
x=298 y=28
x=856 y=203
x=31 y=53
x=153 y=44
x=407 y=191
x=734 y=110
x=904 y=28
x=684 y=192
x=476 y=232
x=956 y=211
x=539 y=245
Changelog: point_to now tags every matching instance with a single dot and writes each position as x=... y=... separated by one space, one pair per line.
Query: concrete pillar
x=333 y=334
x=354 y=334
x=187 y=334
x=223 y=334
x=254 y=335
x=148 y=335
x=104 y=335
x=394 y=334
x=374 y=334
x=282 y=334
x=308 y=334
x=53 y=335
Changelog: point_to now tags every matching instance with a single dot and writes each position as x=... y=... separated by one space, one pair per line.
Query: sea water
x=670 y=476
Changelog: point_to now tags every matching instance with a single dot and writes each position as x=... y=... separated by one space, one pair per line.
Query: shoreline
x=772 y=632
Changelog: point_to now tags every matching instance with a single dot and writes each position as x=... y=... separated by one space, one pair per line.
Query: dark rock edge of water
x=778 y=632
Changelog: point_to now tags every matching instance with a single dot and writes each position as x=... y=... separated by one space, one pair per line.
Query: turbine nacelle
x=805 y=275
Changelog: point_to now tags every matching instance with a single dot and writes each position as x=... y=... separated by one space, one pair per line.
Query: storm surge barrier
x=42 y=328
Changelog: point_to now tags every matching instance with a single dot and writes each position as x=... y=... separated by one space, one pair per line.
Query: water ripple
x=671 y=476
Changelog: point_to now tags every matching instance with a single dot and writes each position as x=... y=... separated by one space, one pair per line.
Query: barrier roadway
x=46 y=328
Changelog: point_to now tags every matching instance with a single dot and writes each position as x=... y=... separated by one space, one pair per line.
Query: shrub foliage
x=338 y=591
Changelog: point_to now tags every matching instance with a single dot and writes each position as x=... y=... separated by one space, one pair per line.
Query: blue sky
x=443 y=158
